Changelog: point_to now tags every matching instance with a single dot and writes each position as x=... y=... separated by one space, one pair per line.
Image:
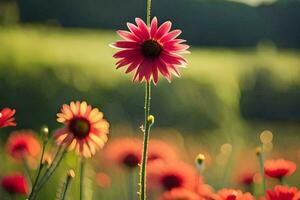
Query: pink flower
x=15 y=184
x=149 y=50
x=6 y=117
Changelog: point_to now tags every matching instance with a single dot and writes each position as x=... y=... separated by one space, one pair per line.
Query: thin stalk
x=27 y=170
x=81 y=184
x=147 y=124
x=65 y=187
x=147 y=127
x=50 y=171
x=262 y=170
x=39 y=170
x=148 y=12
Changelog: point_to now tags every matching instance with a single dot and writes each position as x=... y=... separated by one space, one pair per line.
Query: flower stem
x=148 y=12
x=147 y=126
x=262 y=170
x=27 y=170
x=65 y=187
x=39 y=170
x=56 y=162
x=82 y=169
x=147 y=123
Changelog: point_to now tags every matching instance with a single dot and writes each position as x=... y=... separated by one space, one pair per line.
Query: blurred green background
x=243 y=74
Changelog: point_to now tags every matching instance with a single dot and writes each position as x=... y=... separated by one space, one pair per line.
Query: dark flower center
x=171 y=181
x=151 y=49
x=80 y=127
x=231 y=197
x=21 y=148
x=131 y=160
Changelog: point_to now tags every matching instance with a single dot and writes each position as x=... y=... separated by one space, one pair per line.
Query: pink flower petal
x=143 y=27
x=163 y=69
x=163 y=29
x=135 y=30
x=170 y=36
x=125 y=53
x=126 y=44
x=153 y=27
x=173 y=59
x=126 y=35
x=174 y=70
x=132 y=66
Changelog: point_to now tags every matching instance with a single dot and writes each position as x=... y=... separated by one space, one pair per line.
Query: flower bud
x=45 y=132
x=71 y=173
x=150 y=119
x=199 y=161
x=258 y=151
x=47 y=159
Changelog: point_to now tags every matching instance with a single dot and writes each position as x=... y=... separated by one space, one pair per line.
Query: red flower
x=124 y=152
x=180 y=194
x=246 y=178
x=171 y=175
x=15 y=184
x=23 y=143
x=149 y=50
x=231 y=194
x=279 y=168
x=85 y=128
x=281 y=192
x=6 y=117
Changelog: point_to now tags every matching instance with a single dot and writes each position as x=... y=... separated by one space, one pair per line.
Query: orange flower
x=281 y=192
x=161 y=150
x=231 y=194
x=205 y=191
x=171 y=175
x=23 y=143
x=279 y=168
x=180 y=194
x=85 y=129
x=15 y=184
x=124 y=152
x=6 y=117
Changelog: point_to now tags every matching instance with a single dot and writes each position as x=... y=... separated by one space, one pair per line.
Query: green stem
x=39 y=170
x=50 y=171
x=147 y=124
x=66 y=186
x=148 y=12
x=82 y=169
x=147 y=127
x=262 y=170
x=27 y=170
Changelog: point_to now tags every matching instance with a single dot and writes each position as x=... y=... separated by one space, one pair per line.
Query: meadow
x=210 y=110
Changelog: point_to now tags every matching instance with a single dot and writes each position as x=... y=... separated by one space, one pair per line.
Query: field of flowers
x=73 y=127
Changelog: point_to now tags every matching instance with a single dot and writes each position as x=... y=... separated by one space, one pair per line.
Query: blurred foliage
x=204 y=22
x=9 y=13
x=267 y=98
